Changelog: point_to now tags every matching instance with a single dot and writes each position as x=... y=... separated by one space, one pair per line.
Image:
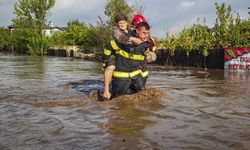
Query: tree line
x=228 y=31
x=31 y=17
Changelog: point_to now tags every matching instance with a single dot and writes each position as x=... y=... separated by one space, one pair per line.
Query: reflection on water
x=199 y=110
x=237 y=75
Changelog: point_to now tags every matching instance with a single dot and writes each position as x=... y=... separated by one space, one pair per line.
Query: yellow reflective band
x=107 y=52
x=144 y=74
x=124 y=53
x=130 y=56
x=103 y=66
x=120 y=74
x=114 y=45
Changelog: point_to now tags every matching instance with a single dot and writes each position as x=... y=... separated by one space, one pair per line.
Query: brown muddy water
x=45 y=104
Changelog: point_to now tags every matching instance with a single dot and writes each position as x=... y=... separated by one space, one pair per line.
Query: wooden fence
x=214 y=60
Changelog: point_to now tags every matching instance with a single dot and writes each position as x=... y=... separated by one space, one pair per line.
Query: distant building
x=50 y=30
x=47 y=31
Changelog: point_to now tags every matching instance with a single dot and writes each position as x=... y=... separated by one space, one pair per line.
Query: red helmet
x=137 y=19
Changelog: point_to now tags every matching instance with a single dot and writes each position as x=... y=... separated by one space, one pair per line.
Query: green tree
x=58 y=39
x=4 y=37
x=115 y=7
x=245 y=33
x=202 y=36
x=100 y=34
x=235 y=32
x=31 y=16
x=170 y=43
x=77 y=34
x=227 y=32
x=186 y=40
x=87 y=38
x=222 y=25
x=20 y=39
x=196 y=37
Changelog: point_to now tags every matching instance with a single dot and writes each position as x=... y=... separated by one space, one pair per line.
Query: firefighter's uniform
x=129 y=76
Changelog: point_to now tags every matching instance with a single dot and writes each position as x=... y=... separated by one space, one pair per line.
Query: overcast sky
x=161 y=14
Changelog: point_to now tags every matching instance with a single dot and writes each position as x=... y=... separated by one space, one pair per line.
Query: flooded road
x=200 y=110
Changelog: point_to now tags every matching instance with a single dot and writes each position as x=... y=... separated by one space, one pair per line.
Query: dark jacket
x=128 y=57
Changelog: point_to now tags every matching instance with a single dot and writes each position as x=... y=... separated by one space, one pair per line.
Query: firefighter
x=128 y=76
x=151 y=56
x=120 y=36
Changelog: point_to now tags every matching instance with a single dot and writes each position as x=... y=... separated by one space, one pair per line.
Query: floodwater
x=43 y=105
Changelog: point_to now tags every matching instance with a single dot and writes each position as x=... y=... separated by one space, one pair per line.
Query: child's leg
x=107 y=79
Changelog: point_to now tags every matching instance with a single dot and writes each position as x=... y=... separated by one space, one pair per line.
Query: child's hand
x=137 y=41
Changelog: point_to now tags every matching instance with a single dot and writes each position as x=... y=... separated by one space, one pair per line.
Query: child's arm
x=122 y=38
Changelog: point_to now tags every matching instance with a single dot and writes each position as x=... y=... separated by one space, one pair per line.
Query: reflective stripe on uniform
x=144 y=74
x=103 y=66
x=130 y=56
x=107 y=52
x=124 y=53
x=114 y=45
x=120 y=74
